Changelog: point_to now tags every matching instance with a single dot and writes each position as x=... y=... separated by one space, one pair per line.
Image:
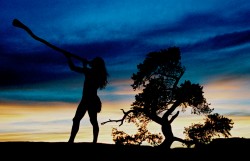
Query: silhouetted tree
x=158 y=81
x=214 y=125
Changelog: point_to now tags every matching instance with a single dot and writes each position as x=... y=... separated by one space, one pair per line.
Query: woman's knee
x=76 y=120
x=94 y=121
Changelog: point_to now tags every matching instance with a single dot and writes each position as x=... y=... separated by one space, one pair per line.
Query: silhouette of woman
x=95 y=78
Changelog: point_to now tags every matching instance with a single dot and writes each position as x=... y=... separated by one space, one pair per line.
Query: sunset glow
x=39 y=93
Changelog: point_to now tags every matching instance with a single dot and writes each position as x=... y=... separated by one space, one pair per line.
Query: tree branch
x=173 y=117
x=171 y=110
x=120 y=120
x=188 y=143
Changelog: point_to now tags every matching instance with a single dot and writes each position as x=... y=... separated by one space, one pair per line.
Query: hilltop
x=217 y=149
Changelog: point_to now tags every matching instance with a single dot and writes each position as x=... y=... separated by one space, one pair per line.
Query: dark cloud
x=202 y=24
x=30 y=68
x=218 y=42
x=114 y=48
x=23 y=68
x=189 y=23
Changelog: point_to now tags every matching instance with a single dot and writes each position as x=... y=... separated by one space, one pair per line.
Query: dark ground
x=219 y=149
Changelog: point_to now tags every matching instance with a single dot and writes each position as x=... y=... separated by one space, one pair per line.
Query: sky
x=39 y=93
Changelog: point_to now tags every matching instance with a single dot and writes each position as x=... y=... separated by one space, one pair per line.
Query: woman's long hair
x=99 y=66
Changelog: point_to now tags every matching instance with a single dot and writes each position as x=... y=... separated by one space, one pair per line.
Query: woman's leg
x=80 y=112
x=94 y=122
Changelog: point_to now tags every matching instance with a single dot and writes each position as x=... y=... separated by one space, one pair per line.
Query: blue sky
x=213 y=36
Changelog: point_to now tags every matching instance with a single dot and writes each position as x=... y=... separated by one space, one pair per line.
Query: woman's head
x=98 y=65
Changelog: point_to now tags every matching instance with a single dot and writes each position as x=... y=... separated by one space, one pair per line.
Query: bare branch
x=120 y=120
